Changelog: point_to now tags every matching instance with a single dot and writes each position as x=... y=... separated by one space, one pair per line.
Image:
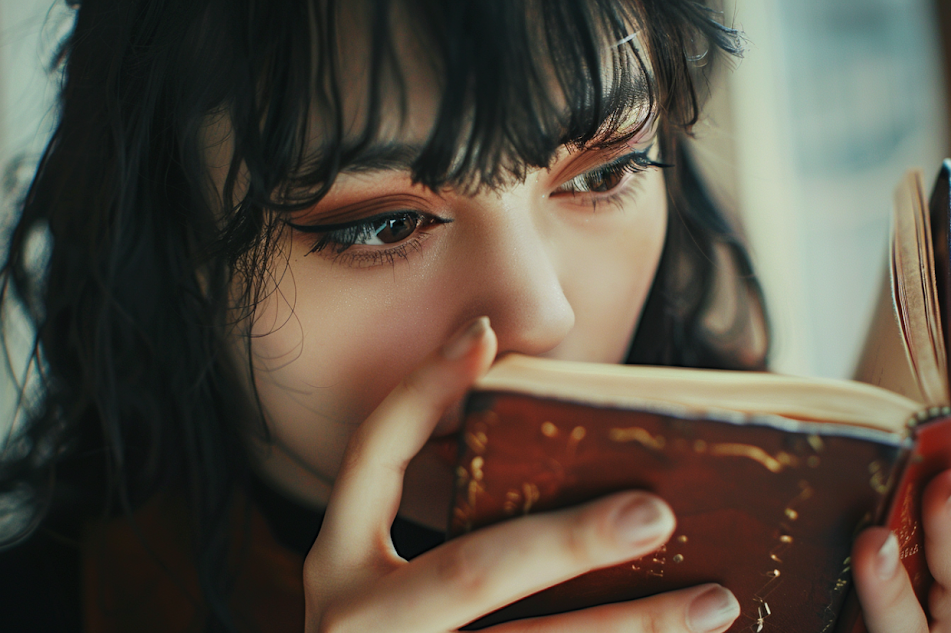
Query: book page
x=885 y=361
x=703 y=392
x=916 y=294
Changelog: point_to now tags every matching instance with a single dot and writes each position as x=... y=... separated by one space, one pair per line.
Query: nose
x=514 y=277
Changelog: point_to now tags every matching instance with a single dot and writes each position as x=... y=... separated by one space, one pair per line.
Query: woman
x=282 y=238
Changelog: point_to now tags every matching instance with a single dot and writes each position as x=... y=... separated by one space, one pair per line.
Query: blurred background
x=805 y=138
x=833 y=101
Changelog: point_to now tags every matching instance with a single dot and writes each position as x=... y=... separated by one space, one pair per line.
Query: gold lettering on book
x=785 y=542
x=772 y=464
x=764 y=591
x=577 y=434
x=763 y=612
x=908 y=525
x=475 y=489
x=879 y=478
x=639 y=435
x=476 y=441
x=476 y=467
x=841 y=583
x=512 y=500
x=805 y=492
x=521 y=500
x=531 y=496
x=461 y=519
x=656 y=562
x=652 y=565
x=487 y=417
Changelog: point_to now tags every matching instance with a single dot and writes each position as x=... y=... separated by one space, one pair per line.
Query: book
x=770 y=476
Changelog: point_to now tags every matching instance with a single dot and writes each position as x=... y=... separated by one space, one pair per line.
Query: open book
x=770 y=476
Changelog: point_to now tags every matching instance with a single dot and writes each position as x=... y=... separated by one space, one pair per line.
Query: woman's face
x=561 y=264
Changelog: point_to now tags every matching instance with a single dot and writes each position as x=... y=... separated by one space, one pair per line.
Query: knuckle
x=464 y=568
x=939 y=603
x=650 y=619
x=616 y=618
x=581 y=536
x=415 y=386
x=650 y=623
x=329 y=621
x=340 y=615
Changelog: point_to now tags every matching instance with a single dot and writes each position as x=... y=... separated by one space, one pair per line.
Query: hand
x=888 y=601
x=355 y=581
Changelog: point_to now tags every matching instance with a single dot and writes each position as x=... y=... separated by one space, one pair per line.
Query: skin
x=531 y=260
x=361 y=357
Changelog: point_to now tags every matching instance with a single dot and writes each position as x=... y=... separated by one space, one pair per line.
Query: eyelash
x=633 y=163
x=341 y=237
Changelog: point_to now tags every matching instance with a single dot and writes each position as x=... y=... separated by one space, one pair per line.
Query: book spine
x=929 y=456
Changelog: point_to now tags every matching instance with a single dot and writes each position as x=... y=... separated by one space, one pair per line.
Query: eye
x=382 y=230
x=600 y=180
x=389 y=230
x=609 y=176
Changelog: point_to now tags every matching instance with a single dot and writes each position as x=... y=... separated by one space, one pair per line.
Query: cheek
x=607 y=273
x=327 y=347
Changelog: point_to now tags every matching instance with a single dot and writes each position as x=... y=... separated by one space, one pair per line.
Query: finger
x=936 y=515
x=368 y=486
x=478 y=573
x=888 y=602
x=703 y=609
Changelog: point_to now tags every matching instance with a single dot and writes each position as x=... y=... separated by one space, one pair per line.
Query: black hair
x=135 y=302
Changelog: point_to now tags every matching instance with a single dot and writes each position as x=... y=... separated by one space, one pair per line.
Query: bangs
x=515 y=81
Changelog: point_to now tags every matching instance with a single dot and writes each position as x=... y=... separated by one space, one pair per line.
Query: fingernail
x=462 y=342
x=713 y=610
x=887 y=560
x=643 y=520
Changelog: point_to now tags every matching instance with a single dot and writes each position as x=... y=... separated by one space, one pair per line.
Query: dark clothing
x=102 y=579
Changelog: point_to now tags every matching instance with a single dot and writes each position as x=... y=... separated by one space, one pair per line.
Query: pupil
x=397 y=229
x=603 y=182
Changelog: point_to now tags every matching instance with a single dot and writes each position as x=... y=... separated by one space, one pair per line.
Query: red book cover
x=766 y=505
